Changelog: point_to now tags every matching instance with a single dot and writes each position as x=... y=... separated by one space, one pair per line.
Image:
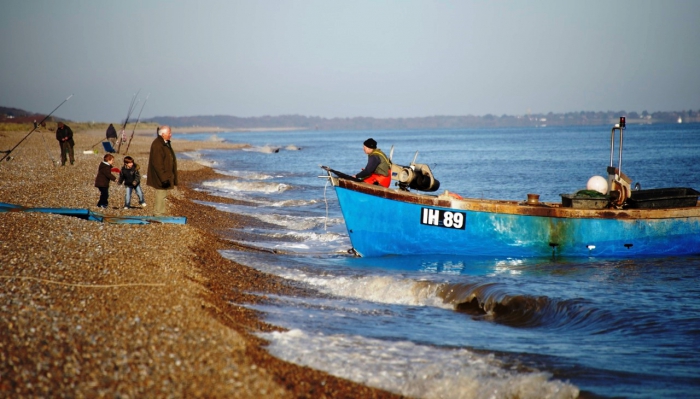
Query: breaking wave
x=246 y=186
x=490 y=301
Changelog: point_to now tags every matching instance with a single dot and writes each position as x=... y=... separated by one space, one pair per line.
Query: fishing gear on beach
x=36 y=126
x=93 y=146
x=46 y=147
x=137 y=123
x=126 y=121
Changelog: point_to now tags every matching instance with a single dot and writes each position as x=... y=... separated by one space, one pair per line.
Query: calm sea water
x=553 y=327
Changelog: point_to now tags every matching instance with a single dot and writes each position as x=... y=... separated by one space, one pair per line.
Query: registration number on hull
x=440 y=218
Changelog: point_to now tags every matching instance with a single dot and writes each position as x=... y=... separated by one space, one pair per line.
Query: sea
x=460 y=327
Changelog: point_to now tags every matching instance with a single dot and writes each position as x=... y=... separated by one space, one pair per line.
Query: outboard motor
x=417 y=176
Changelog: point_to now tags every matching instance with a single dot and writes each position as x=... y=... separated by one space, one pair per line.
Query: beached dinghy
x=609 y=220
x=94 y=216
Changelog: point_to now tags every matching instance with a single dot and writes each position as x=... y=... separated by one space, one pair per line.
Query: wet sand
x=90 y=309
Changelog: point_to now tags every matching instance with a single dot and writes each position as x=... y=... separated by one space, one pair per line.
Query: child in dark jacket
x=104 y=175
x=131 y=177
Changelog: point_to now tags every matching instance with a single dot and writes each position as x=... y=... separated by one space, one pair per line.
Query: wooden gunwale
x=544 y=209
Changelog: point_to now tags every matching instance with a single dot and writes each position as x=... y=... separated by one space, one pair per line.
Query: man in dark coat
x=64 y=135
x=162 y=168
x=112 y=135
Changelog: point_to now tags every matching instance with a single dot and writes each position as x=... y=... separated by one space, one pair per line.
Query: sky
x=383 y=59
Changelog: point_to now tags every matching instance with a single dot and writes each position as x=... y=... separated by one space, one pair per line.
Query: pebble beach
x=91 y=309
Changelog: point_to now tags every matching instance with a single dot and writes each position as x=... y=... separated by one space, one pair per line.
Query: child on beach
x=131 y=177
x=104 y=175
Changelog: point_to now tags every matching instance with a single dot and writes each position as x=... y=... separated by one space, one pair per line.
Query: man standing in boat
x=378 y=169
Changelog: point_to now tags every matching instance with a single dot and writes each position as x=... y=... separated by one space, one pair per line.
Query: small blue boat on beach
x=87 y=214
x=612 y=219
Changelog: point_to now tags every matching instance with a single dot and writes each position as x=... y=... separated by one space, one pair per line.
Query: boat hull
x=391 y=222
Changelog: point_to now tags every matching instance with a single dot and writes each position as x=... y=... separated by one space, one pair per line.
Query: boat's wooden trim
x=544 y=209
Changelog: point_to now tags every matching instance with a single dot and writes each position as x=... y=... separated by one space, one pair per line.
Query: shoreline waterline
x=149 y=310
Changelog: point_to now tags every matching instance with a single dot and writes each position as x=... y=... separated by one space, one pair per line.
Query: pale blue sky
x=348 y=58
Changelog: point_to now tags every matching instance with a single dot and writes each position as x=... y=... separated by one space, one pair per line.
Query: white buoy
x=597 y=183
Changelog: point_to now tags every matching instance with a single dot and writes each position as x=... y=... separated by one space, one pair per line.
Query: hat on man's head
x=370 y=143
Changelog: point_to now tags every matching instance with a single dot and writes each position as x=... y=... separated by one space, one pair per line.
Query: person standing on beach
x=64 y=135
x=162 y=168
x=111 y=135
x=378 y=169
x=131 y=177
x=104 y=175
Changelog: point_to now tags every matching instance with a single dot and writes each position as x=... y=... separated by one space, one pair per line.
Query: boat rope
x=325 y=222
x=85 y=285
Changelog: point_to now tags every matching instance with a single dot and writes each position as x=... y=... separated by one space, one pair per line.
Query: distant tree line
x=9 y=115
x=429 y=122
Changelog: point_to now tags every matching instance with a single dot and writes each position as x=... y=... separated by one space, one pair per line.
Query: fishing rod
x=7 y=153
x=93 y=146
x=137 y=123
x=126 y=121
x=53 y=162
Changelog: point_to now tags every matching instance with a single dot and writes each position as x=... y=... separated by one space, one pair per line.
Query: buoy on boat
x=597 y=183
x=449 y=194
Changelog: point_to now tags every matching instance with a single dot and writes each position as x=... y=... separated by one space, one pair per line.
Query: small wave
x=297 y=242
x=250 y=175
x=310 y=236
x=490 y=301
x=482 y=300
x=299 y=235
x=287 y=203
x=197 y=157
x=266 y=149
x=208 y=163
x=292 y=222
x=414 y=370
x=273 y=204
x=382 y=289
x=300 y=248
x=216 y=139
x=247 y=186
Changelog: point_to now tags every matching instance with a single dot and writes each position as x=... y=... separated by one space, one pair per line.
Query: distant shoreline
x=216 y=129
x=299 y=122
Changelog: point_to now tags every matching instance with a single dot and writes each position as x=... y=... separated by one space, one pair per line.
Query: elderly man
x=162 y=168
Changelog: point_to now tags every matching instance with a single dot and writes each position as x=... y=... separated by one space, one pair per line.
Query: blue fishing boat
x=609 y=219
x=87 y=214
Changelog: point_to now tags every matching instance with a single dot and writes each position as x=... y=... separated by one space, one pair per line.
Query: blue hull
x=86 y=214
x=391 y=222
